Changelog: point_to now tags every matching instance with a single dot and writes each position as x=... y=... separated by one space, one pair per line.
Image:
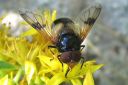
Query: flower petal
x=96 y=67
x=74 y=71
x=76 y=82
x=50 y=64
x=57 y=79
x=29 y=32
x=90 y=65
x=88 y=79
x=30 y=70
x=4 y=80
x=54 y=15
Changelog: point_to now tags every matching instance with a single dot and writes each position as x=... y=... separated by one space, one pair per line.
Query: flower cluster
x=30 y=62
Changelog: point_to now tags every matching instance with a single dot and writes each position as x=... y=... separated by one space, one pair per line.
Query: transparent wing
x=37 y=22
x=56 y=32
x=86 y=20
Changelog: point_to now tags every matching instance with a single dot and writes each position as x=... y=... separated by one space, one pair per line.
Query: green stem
x=18 y=75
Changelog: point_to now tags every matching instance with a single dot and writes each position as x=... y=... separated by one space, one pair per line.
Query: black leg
x=82 y=47
x=60 y=61
x=82 y=58
x=50 y=46
x=67 y=72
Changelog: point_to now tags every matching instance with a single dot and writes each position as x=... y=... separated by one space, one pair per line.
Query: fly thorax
x=68 y=42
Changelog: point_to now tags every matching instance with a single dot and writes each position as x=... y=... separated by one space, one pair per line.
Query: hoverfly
x=66 y=34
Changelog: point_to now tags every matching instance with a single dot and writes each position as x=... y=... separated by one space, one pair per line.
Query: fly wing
x=86 y=20
x=37 y=22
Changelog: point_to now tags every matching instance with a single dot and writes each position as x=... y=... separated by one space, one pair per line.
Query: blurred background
x=107 y=42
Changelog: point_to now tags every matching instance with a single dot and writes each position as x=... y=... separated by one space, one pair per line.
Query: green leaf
x=6 y=66
x=2 y=73
x=18 y=75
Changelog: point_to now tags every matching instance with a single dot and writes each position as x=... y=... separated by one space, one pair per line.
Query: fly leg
x=60 y=61
x=82 y=60
x=82 y=47
x=82 y=63
x=49 y=47
x=67 y=72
